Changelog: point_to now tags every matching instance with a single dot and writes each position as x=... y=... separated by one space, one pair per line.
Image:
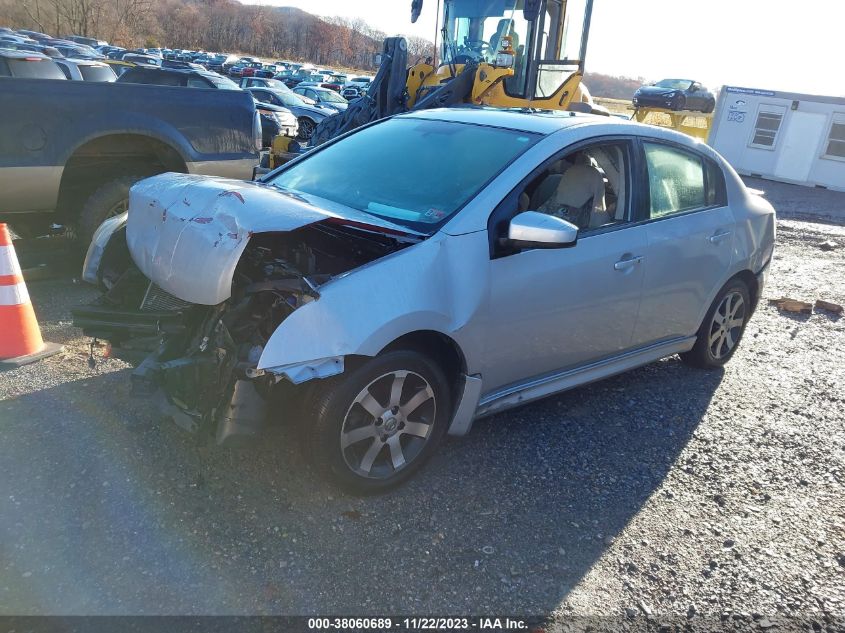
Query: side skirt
x=516 y=395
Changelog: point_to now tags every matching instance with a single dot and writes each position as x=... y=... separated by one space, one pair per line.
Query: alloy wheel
x=388 y=424
x=726 y=326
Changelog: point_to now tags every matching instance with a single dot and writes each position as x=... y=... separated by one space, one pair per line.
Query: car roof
x=522 y=119
x=83 y=62
x=179 y=71
x=8 y=52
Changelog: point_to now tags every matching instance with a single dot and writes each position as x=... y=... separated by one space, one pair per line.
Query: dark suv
x=186 y=77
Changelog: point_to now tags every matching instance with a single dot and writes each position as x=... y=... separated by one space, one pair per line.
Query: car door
x=690 y=231
x=552 y=309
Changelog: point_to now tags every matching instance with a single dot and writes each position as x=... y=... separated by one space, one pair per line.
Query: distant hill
x=212 y=25
x=611 y=86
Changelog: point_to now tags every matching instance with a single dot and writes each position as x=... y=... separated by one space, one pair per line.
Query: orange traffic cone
x=20 y=338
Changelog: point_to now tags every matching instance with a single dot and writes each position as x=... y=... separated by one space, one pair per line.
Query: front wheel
x=109 y=199
x=711 y=105
x=375 y=427
x=679 y=102
x=723 y=326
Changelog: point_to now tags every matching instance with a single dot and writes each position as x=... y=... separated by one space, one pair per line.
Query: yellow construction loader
x=499 y=53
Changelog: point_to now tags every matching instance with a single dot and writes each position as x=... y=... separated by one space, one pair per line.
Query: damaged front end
x=197 y=363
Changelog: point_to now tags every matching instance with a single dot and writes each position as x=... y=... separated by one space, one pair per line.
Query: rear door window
x=676 y=180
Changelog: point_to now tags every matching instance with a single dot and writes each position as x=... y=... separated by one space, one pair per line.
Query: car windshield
x=330 y=96
x=674 y=84
x=381 y=177
x=275 y=84
x=223 y=83
x=96 y=73
x=289 y=99
x=35 y=69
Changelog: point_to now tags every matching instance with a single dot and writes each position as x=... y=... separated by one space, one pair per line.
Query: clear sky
x=774 y=44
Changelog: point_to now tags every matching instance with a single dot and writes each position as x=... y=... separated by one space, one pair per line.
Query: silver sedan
x=392 y=286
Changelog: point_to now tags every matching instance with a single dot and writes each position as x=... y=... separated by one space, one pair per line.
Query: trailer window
x=836 y=138
x=767 y=126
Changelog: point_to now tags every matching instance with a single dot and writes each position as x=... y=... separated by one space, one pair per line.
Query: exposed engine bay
x=199 y=362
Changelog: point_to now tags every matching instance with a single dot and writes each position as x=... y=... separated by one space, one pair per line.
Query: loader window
x=414 y=172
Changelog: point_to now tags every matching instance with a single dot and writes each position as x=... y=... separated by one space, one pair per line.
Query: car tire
x=370 y=450
x=306 y=128
x=711 y=105
x=109 y=199
x=679 y=102
x=724 y=324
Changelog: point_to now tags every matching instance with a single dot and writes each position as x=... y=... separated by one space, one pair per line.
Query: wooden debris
x=821 y=304
x=786 y=304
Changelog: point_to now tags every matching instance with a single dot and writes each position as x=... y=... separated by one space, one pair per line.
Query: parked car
x=170 y=63
x=218 y=63
x=35 y=35
x=267 y=70
x=86 y=70
x=26 y=64
x=307 y=116
x=88 y=41
x=261 y=82
x=93 y=140
x=289 y=78
x=571 y=248
x=142 y=59
x=274 y=119
x=355 y=87
x=335 y=82
x=251 y=68
x=675 y=94
x=185 y=77
x=49 y=51
x=72 y=49
x=119 y=66
x=323 y=96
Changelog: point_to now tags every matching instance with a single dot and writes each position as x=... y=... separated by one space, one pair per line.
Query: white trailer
x=785 y=136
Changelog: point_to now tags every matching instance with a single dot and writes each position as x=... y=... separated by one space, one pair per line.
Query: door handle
x=718 y=237
x=625 y=264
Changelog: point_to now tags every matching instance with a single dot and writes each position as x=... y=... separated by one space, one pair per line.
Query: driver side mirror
x=532 y=229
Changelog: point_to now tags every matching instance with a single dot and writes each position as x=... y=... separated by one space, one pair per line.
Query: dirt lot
x=709 y=497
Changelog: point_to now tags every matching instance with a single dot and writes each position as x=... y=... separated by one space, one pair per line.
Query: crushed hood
x=186 y=233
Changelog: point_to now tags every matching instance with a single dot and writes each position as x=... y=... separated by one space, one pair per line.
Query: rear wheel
x=109 y=199
x=711 y=105
x=375 y=427
x=723 y=326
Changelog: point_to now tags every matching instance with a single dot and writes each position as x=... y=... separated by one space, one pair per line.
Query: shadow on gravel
x=507 y=520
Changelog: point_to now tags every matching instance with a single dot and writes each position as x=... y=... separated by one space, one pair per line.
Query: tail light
x=256 y=131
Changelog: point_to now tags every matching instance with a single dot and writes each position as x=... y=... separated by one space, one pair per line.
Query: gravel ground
x=701 y=496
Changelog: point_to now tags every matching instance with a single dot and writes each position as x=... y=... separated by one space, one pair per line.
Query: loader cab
x=548 y=37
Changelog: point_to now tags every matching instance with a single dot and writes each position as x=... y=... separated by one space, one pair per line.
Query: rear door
x=690 y=233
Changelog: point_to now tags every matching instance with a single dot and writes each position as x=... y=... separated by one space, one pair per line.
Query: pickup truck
x=70 y=150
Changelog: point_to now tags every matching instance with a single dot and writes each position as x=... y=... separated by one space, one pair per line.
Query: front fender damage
x=202 y=362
